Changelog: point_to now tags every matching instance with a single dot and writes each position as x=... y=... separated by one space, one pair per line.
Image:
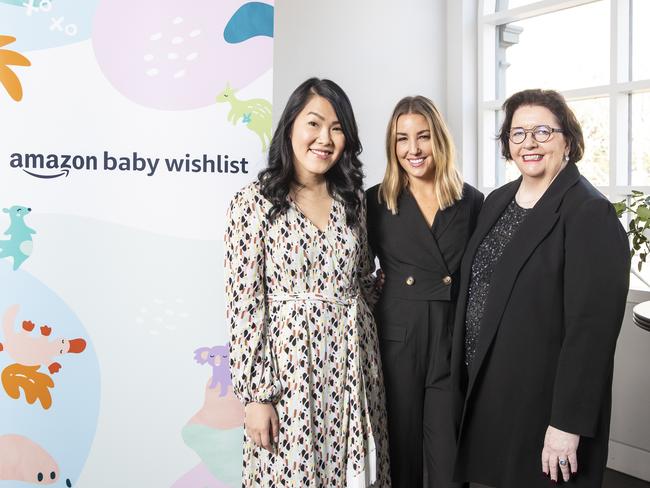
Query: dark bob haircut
x=554 y=102
x=344 y=179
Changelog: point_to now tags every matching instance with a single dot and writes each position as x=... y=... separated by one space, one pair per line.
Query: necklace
x=526 y=202
x=534 y=200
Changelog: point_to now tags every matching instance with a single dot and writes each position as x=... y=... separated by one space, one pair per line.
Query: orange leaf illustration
x=4 y=40
x=35 y=385
x=7 y=77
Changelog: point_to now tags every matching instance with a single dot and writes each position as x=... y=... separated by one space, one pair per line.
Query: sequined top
x=487 y=256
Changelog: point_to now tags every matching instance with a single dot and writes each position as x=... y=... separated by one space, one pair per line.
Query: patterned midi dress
x=303 y=338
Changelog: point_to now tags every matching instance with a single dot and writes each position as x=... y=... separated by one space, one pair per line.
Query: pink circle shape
x=171 y=55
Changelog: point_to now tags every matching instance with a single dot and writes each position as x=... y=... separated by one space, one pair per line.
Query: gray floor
x=613 y=479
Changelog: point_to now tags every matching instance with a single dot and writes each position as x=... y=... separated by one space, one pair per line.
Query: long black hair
x=344 y=179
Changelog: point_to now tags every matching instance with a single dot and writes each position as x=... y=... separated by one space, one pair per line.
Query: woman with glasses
x=419 y=220
x=543 y=289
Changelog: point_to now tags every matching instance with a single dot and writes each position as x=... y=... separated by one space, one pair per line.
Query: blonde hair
x=448 y=183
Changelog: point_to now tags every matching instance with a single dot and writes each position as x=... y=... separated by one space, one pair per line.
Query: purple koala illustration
x=218 y=357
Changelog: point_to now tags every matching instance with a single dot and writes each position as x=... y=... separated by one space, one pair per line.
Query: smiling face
x=317 y=139
x=537 y=160
x=413 y=146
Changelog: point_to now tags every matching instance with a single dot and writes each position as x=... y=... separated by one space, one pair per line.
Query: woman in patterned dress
x=304 y=353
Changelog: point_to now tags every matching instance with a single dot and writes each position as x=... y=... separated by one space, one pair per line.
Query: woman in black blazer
x=419 y=220
x=542 y=295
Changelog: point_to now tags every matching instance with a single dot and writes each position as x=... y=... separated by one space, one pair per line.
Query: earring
x=566 y=158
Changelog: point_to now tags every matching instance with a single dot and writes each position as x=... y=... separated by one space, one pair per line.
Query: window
x=595 y=53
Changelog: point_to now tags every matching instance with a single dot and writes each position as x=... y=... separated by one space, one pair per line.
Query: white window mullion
x=634 y=86
x=486 y=89
x=618 y=139
x=480 y=63
x=532 y=10
x=622 y=190
x=621 y=41
x=619 y=100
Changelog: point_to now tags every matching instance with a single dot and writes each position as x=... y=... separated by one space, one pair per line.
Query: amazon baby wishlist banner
x=125 y=128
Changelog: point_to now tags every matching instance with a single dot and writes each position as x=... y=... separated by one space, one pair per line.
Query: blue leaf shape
x=250 y=20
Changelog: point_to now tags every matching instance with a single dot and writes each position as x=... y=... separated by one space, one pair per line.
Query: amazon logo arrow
x=64 y=172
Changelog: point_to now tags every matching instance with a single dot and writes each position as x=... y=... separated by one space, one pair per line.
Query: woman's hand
x=560 y=448
x=262 y=425
x=380 y=278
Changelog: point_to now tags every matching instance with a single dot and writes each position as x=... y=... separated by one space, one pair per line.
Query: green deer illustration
x=255 y=113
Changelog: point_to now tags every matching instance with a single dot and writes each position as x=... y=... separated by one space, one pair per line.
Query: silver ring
x=562 y=462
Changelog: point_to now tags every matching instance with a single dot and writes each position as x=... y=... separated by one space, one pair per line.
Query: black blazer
x=421 y=263
x=546 y=344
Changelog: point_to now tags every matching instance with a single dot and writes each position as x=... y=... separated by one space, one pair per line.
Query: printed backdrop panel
x=126 y=129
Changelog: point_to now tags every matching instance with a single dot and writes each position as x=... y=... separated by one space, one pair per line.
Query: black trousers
x=415 y=344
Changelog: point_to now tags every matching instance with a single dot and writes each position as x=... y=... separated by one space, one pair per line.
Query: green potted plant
x=638 y=206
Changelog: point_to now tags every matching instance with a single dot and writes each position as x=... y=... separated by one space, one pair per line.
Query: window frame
x=619 y=90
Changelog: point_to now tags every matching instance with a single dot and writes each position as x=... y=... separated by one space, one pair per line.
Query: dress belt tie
x=346 y=300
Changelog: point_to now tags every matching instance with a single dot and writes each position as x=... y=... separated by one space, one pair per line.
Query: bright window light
x=594 y=52
x=640 y=39
x=641 y=139
x=578 y=58
x=593 y=115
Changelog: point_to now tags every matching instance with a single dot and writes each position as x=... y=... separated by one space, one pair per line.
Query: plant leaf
x=643 y=213
x=620 y=207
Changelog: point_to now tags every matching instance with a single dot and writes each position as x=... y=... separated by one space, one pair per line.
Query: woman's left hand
x=380 y=279
x=560 y=448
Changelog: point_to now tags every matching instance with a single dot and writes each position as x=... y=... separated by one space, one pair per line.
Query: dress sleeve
x=253 y=373
x=366 y=261
x=596 y=278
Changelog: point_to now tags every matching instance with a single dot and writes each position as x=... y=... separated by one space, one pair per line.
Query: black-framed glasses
x=541 y=133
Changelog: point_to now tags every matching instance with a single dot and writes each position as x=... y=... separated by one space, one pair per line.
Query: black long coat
x=546 y=344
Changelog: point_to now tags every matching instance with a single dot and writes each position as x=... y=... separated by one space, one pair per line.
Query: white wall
x=629 y=443
x=462 y=85
x=378 y=51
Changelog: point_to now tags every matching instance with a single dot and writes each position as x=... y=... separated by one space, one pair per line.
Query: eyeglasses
x=541 y=133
